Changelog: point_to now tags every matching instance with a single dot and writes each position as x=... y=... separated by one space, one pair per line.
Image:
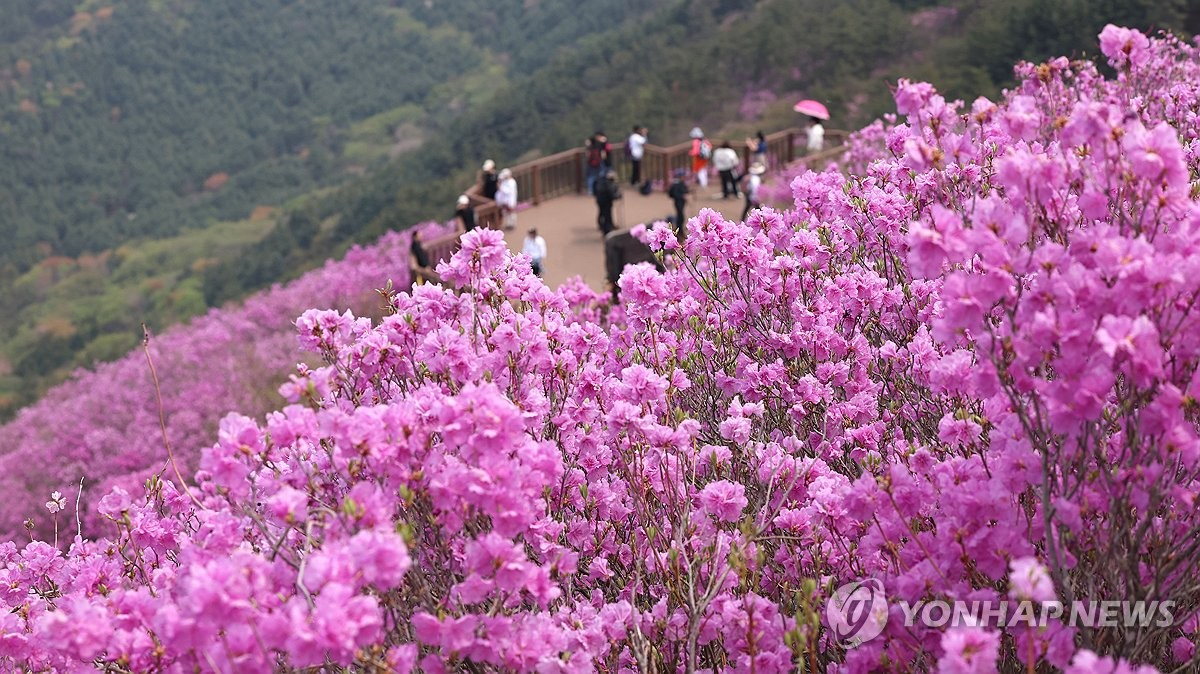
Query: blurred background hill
x=161 y=157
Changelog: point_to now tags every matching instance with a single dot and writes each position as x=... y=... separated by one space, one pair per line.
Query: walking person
x=598 y=159
x=535 y=248
x=636 y=145
x=607 y=192
x=700 y=153
x=490 y=182
x=678 y=192
x=506 y=199
x=752 y=187
x=725 y=160
x=465 y=214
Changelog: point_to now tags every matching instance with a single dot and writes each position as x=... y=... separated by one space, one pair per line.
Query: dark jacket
x=491 y=184
x=621 y=248
x=607 y=191
x=599 y=153
x=467 y=215
x=419 y=252
x=678 y=192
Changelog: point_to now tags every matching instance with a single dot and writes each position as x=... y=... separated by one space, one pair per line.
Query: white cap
x=696 y=132
x=463 y=200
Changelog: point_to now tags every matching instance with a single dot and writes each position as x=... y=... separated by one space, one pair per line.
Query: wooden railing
x=565 y=173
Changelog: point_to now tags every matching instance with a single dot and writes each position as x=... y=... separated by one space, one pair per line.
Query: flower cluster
x=967 y=369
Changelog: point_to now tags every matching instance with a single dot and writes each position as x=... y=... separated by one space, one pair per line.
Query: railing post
x=537 y=193
x=579 y=172
x=791 y=146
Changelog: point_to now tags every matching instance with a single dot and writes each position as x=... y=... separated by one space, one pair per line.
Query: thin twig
x=78 y=519
x=162 y=422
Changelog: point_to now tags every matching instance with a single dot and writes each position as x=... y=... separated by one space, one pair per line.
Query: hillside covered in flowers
x=966 y=367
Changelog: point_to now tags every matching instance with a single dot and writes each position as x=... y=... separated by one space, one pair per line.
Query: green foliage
x=66 y=313
x=115 y=135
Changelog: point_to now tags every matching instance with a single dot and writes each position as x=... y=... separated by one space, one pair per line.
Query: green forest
x=160 y=157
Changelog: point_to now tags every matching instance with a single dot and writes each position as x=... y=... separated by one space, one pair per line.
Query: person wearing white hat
x=465 y=213
x=752 y=186
x=490 y=182
x=506 y=198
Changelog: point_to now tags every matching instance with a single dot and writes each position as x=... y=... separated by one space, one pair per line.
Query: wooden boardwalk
x=574 y=244
x=566 y=217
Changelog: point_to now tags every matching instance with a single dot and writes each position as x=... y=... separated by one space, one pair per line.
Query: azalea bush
x=966 y=368
x=103 y=425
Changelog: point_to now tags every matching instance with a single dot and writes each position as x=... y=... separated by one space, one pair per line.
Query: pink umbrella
x=812 y=109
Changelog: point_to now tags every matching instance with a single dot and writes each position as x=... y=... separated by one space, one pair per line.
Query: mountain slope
x=526 y=78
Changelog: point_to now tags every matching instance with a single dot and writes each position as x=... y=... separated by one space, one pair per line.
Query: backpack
x=646 y=188
x=595 y=154
x=705 y=149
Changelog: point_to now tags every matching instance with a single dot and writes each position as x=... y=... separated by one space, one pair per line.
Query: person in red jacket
x=700 y=153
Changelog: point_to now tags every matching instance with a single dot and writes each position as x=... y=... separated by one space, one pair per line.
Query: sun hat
x=757 y=169
x=696 y=132
x=489 y=165
x=463 y=200
x=505 y=173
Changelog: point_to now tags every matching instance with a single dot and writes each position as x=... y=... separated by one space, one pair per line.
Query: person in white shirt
x=506 y=198
x=725 y=160
x=752 y=185
x=816 y=136
x=535 y=248
x=637 y=149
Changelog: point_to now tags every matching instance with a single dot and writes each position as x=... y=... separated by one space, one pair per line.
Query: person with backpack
x=678 y=192
x=700 y=153
x=607 y=192
x=598 y=159
x=725 y=160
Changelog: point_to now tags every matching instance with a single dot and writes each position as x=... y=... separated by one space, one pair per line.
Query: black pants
x=605 y=219
x=636 y=176
x=750 y=205
x=680 y=221
x=729 y=186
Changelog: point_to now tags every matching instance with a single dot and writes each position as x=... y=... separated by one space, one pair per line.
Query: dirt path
x=574 y=244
